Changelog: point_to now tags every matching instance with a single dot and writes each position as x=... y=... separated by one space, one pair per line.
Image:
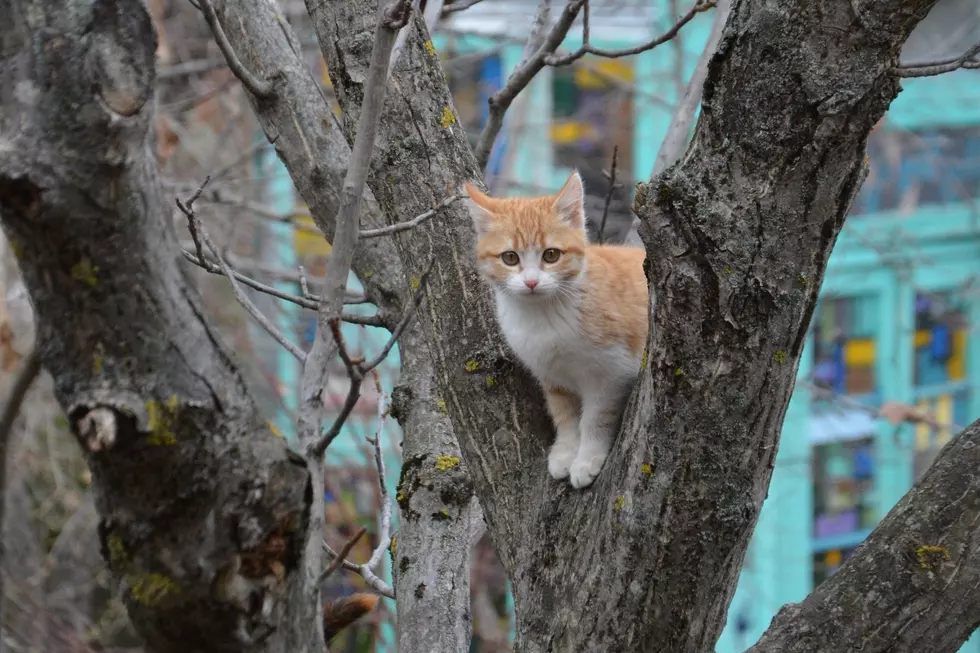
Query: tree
x=213 y=525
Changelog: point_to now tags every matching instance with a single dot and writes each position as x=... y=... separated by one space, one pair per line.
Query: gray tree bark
x=191 y=485
x=203 y=512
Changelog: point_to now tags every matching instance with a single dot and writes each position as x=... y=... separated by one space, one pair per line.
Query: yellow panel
x=859 y=353
x=956 y=365
x=922 y=338
x=832 y=558
x=586 y=78
x=564 y=133
x=922 y=431
x=619 y=69
x=944 y=415
x=308 y=243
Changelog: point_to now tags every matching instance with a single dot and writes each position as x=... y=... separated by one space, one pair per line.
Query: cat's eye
x=551 y=255
x=510 y=258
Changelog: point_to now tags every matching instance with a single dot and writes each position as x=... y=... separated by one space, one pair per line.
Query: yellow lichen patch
x=275 y=430
x=400 y=496
x=117 y=551
x=448 y=118
x=644 y=359
x=415 y=283
x=393 y=547
x=471 y=365
x=931 y=555
x=678 y=372
x=728 y=271
x=779 y=357
x=491 y=381
x=446 y=462
x=151 y=589
x=441 y=405
x=98 y=361
x=620 y=503
x=802 y=281
x=431 y=49
x=161 y=419
x=646 y=469
x=84 y=272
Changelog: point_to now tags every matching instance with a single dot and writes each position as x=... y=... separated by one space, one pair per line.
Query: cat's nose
x=531 y=283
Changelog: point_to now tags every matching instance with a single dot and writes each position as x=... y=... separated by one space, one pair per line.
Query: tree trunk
x=202 y=510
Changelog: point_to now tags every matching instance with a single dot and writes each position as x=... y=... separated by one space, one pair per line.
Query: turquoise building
x=899 y=306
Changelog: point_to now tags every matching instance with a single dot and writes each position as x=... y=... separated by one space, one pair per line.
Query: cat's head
x=532 y=247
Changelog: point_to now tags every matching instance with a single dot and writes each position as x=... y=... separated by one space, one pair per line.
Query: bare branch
x=366 y=570
x=462 y=5
x=521 y=77
x=609 y=194
x=188 y=210
x=340 y=558
x=675 y=142
x=408 y=224
x=967 y=60
x=357 y=368
x=587 y=48
x=261 y=88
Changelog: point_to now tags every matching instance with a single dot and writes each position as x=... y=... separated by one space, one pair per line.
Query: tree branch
x=408 y=224
x=967 y=61
x=261 y=88
x=679 y=130
x=588 y=48
x=926 y=548
x=521 y=77
x=198 y=233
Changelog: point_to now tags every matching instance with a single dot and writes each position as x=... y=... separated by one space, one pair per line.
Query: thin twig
x=188 y=210
x=408 y=224
x=915 y=416
x=928 y=69
x=261 y=88
x=679 y=131
x=357 y=368
x=243 y=156
x=462 y=5
x=341 y=557
x=609 y=194
x=309 y=301
x=521 y=77
x=366 y=570
x=587 y=48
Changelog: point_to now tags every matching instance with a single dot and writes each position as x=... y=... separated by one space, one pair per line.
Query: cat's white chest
x=549 y=340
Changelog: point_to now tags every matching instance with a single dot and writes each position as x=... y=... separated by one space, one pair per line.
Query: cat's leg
x=565 y=409
x=601 y=412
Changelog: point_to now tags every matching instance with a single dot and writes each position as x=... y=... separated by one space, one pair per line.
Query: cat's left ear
x=478 y=204
x=570 y=201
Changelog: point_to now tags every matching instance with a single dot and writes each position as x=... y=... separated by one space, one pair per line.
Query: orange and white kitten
x=575 y=314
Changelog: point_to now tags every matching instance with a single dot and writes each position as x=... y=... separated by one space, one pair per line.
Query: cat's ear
x=570 y=201
x=478 y=204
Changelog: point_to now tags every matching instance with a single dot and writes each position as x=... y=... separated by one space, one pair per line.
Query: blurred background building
x=895 y=329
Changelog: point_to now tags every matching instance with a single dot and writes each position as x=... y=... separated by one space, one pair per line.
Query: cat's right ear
x=478 y=204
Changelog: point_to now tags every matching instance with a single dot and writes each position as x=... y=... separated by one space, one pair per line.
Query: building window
x=843 y=484
x=910 y=168
x=844 y=345
x=939 y=374
x=940 y=340
x=827 y=562
x=592 y=111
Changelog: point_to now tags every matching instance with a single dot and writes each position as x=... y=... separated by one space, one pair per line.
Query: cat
x=575 y=314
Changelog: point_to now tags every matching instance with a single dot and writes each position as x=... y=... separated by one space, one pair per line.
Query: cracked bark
x=432 y=552
x=202 y=510
x=737 y=234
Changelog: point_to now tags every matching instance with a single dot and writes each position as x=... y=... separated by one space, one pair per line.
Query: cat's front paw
x=585 y=470
x=560 y=461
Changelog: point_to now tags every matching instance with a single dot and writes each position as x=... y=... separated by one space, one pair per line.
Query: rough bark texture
x=738 y=236
x=432 y=552
x=911 y=586
x=203 y=511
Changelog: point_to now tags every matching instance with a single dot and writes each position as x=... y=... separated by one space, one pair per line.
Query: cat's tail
x=341 y=613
